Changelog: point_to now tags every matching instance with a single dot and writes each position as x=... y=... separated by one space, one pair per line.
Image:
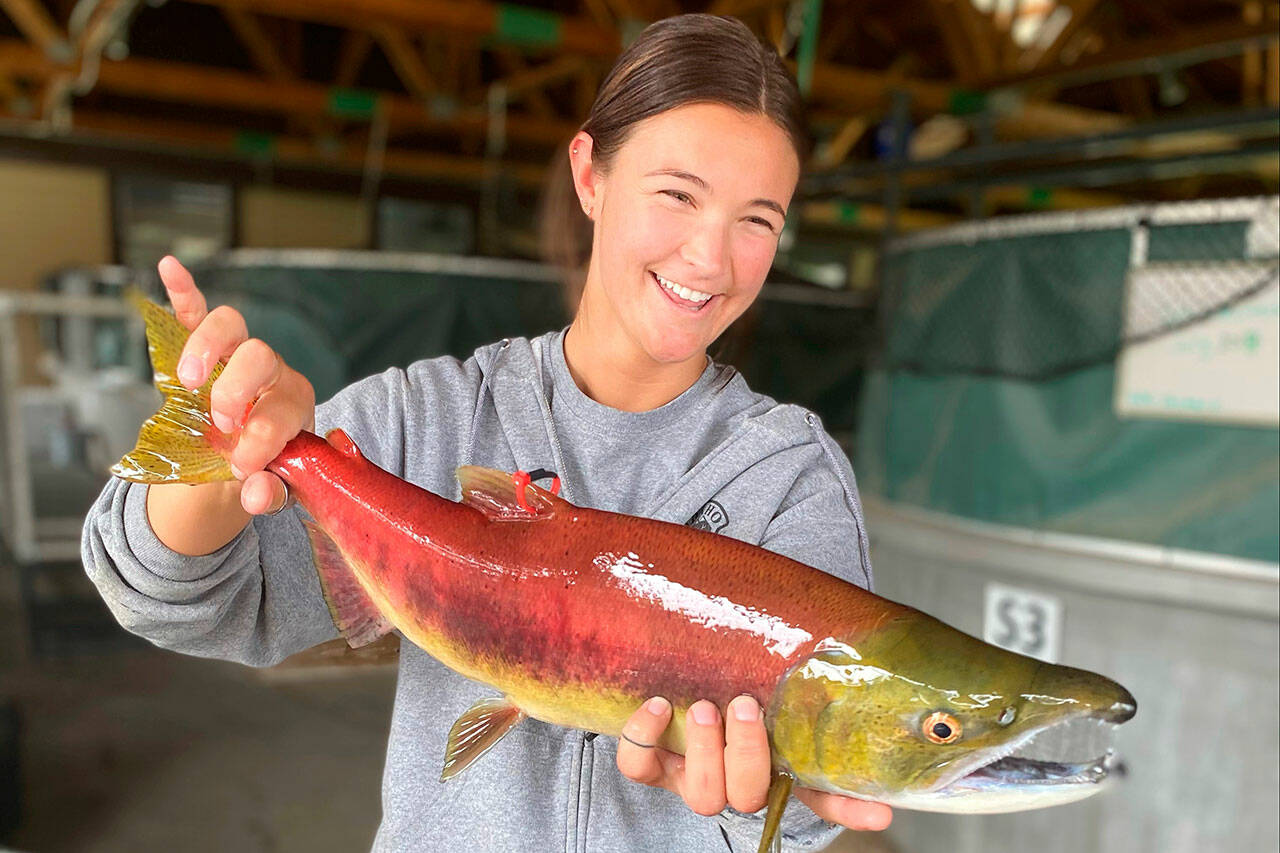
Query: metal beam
x=1149 y=55
x=983 y=159
x=858 y=91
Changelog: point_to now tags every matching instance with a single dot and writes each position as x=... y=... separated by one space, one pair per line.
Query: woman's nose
x=707 y=248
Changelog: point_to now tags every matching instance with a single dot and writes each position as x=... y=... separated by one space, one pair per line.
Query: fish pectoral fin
x=779 y=791
x=476 y=732
x=493 y=492
x=353 y=612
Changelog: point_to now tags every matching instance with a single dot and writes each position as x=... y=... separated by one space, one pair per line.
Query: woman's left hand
x=726 y=762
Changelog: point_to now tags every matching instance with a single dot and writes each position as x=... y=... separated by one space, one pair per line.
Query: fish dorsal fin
x=494 y=493
x=353 y=612
x=779 y=791
x=476 y=732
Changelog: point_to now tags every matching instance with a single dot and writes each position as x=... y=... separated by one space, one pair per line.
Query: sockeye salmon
x=577 y=616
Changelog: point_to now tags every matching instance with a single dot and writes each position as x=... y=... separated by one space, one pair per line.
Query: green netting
x=994 y=394
x=1053 y=455
x=1054 y=299
x=337 y=324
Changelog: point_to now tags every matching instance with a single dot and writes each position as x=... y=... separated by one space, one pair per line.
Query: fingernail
x=657 y=706
x=189 y=370
x=745 y=709
x=234 y=470
x=705 y=714
x=222 y=422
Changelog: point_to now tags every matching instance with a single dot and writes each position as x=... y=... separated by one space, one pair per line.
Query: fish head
x=919 y=715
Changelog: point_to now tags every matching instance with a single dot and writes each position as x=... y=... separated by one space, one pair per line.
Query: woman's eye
x=758 y=221
x=679 y=196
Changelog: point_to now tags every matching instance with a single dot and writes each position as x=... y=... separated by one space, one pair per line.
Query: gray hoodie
x=719 y=457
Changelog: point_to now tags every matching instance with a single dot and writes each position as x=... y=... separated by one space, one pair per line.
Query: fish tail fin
x=177 y=443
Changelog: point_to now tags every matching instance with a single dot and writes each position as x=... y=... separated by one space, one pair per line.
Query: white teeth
x=682 y=291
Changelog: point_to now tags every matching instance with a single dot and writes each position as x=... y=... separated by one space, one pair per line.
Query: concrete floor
x=144 y=750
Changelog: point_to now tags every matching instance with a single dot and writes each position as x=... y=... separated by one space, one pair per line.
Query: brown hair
x=677 y=61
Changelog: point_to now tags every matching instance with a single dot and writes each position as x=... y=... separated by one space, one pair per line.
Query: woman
x=685 y=169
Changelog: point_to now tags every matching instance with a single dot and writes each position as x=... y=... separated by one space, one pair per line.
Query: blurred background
x=1029 y=282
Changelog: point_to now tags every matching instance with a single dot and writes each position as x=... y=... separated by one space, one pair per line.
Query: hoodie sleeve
x=819 y=523
x=256 y=600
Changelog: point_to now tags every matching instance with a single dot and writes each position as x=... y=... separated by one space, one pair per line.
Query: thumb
x=263 y=493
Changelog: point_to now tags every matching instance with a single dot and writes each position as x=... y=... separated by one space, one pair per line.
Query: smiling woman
x=683 y=171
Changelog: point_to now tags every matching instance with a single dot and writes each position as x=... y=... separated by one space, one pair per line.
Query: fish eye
x=1007 y=715
x=941 y=727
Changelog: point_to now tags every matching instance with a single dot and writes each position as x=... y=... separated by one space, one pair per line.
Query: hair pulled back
x=686 y=59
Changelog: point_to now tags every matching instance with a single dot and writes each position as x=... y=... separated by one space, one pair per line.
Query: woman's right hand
x=258 y=400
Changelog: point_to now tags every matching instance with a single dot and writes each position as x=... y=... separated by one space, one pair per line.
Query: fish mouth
x=1012 y=770
x=1075 y=752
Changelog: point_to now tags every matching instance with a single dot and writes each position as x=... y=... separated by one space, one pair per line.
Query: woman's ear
x=586 y=178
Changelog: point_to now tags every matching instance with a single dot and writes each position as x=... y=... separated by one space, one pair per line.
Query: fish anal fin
x=476 y=732
x=779 y=791
x=353 y=612
x=493 y=492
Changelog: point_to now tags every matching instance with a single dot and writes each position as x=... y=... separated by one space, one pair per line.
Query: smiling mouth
x=685 y=297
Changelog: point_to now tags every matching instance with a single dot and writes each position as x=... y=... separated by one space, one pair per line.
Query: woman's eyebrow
x=680 y=173
x=704 y=186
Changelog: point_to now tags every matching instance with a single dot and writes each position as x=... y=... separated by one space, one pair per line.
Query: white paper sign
x=1224 y=368
x=1023 y=621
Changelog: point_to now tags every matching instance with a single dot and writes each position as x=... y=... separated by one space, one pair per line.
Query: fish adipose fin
x=355 y=614
x=494 y=493
x=176 y=444
x=476 y=732
x=779 y=791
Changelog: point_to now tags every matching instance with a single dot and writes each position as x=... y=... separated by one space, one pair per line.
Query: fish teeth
x=682 y=291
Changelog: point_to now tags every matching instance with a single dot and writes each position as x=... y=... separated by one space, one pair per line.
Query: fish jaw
x=1015 y=784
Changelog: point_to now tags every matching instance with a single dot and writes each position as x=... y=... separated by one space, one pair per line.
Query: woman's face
x=687 y=221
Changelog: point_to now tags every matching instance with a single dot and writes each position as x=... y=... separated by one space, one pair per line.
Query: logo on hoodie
x=711 y=517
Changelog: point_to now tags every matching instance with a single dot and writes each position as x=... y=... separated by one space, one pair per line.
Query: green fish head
x=920 y=715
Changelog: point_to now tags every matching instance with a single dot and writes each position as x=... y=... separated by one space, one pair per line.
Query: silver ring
x=636 y=742
x=288 y=501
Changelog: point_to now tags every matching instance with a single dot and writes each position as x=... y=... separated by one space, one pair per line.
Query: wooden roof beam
x=1081 y=10
x=582 y=36
x=292 y=151
x=39 y=27
x=529 y=26
x=261 y=49
x=405 y=60
x=184 y=83
x=351 y=57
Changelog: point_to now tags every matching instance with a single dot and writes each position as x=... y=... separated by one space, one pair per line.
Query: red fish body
x=562 y=605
